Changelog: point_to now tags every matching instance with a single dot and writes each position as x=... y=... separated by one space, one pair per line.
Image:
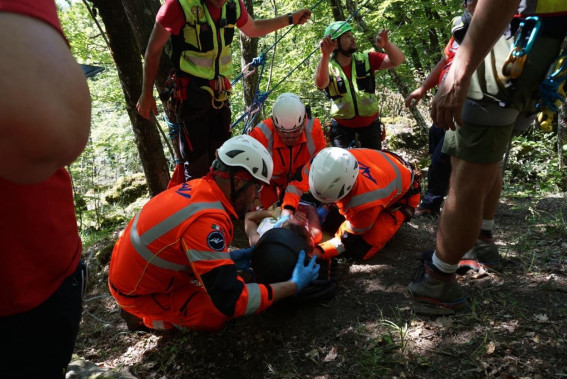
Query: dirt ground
x=517 y=325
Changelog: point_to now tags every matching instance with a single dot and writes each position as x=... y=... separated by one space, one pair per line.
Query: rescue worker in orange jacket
x=376 y=191
x=292 y=139
x=171 y=268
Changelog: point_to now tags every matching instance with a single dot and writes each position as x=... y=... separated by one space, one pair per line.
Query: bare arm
x=45 y=109
x=429 y=82
x=394 y=56
x=283 y=289
x=251 y=220
x=322 y=73
x=487 y=25
x=158 y=39
x=258 y=28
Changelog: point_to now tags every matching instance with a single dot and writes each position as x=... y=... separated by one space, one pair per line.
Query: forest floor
x=516 y=326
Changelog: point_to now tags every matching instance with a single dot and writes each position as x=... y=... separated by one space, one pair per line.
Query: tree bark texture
x=249 y=50
x=337 y=9
x=126 y=56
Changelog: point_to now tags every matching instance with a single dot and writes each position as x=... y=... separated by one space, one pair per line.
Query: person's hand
x=328 y=46
x=145 y=105
x=382 y=38
x=416 y=95
x=301 y=16
x=303 y=275
x=448 y=102
x=299 y=218
x=283 y=218
x=242 y=258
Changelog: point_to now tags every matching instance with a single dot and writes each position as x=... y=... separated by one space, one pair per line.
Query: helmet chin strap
x=220 y=169
x=234 y=193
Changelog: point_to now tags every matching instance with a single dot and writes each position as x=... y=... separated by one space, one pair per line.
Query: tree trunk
x=249 y=50
x=396 y=79
x=141 y=15
x=337 y=9
x=126 y=55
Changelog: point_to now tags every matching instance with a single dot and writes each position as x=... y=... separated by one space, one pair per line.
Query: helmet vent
x=264 y=169
x=234 y=153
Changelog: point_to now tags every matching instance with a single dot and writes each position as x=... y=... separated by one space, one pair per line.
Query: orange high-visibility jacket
x=171 y=266
x=383 y=180
x=288 y=160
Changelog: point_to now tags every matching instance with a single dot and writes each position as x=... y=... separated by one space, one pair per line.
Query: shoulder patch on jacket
x=216 y=241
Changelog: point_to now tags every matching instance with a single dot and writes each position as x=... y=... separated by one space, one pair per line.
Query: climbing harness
x=523 y=43
x=552 y=93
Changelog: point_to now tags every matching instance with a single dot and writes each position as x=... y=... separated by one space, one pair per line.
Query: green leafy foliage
x=420 y=28
x=534 y=165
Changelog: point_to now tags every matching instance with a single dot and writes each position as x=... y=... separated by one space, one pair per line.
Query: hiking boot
x=484 y=254
x=134 y=323
x=433 y=286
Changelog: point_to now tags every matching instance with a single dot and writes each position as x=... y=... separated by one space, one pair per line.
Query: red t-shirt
x=171 y=16
x=449 y=51
x=43 y=10
x=376 y=60
x=40 y=244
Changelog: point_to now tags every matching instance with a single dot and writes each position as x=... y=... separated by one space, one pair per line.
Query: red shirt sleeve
x=171 y=17
x=43 y=10
x=376 y=60
x=244 y=16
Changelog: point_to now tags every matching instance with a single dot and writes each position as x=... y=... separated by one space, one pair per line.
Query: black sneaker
x=435 y=287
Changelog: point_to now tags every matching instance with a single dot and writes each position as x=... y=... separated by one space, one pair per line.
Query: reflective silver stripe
x=158 y=325
x=268 y=134
x=309 y=137
x=371 y=196
x=201 y=255
x=380 y=193
x=398 y=180
x=294 y=190
x=199 y=61
x=140 y=242
x=359 y=230
x=254 y=298
x=338 y=244
x=226 y=59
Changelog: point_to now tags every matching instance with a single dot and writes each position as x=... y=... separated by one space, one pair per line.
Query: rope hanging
x=260 y=61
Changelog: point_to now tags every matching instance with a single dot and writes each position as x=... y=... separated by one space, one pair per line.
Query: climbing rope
x=259 y=96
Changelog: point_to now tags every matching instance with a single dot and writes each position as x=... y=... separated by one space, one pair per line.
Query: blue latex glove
x=322 y=212
x=281 y=220
x=303 y=275
x=241 y=258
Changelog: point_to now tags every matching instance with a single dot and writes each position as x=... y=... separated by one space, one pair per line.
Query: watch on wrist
x=290 y=18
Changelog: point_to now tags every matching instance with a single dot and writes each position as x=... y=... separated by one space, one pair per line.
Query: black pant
x=205 y=128
x=439 y=171
x=369 y=136
x=39 y=343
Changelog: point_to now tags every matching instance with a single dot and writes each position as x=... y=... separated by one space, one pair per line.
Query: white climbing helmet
x=333 y=174
x=247 y=152
x=288 y=112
